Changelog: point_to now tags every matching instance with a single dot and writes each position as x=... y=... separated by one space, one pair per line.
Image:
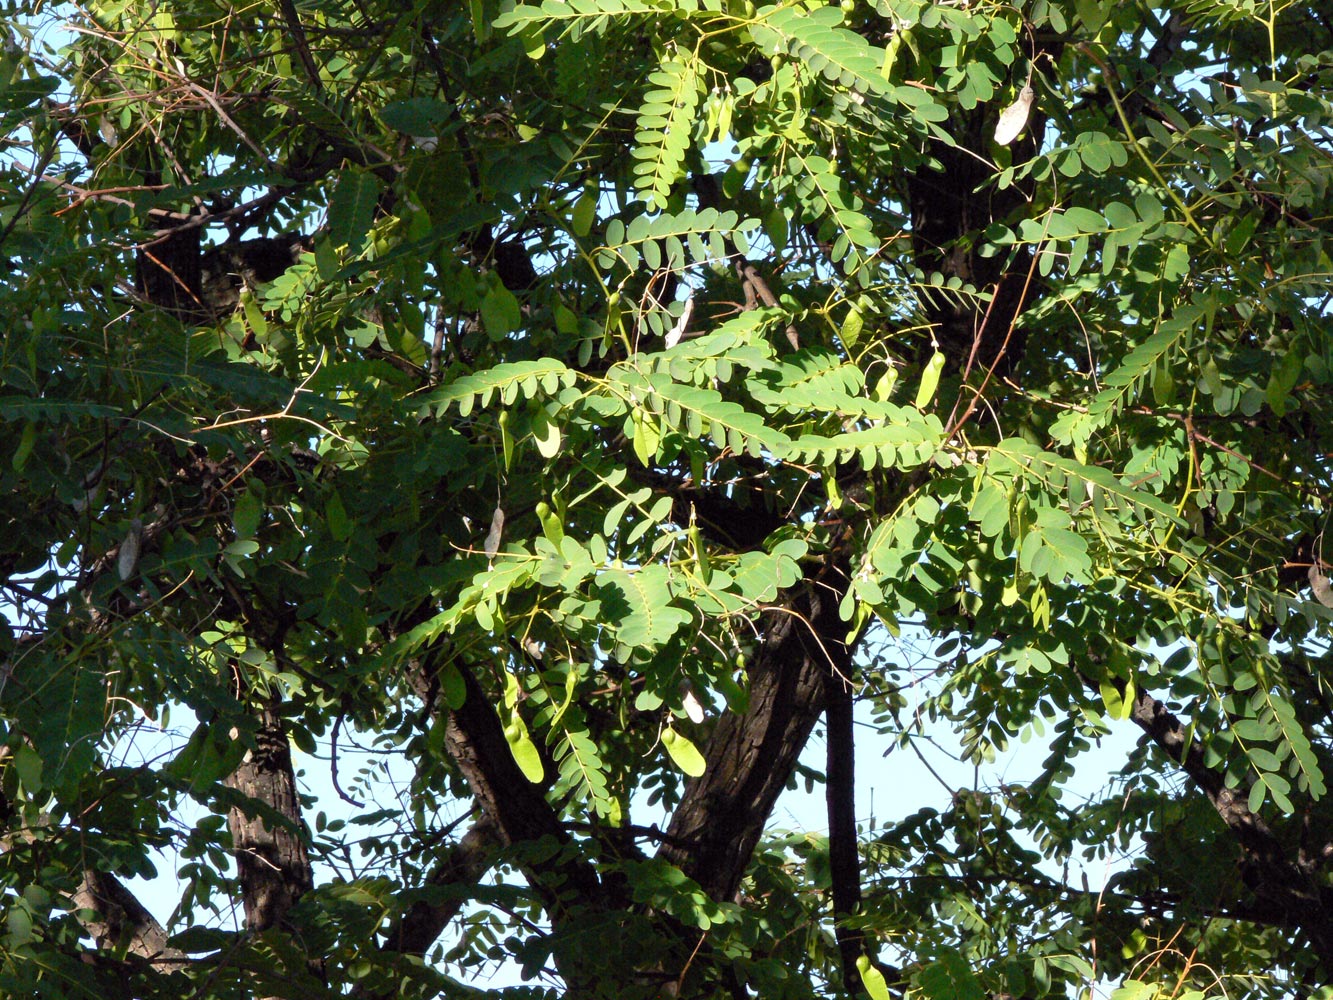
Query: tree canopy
x=573 y=402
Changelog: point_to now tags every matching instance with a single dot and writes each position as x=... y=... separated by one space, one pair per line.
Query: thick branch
x=1274 y=878
x=464 y=864
x=120 y=920
x=271 y=860
x=756 y=285
x=112 y=915
x=517 y=808
x=714 y=830
x=297 y=32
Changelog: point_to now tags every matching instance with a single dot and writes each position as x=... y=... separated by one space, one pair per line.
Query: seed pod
x=1014 y=118
x=684 y=754
x=930 y=380
x=525 y=753
x=128 y=558
x=492 y=544
x=872 y=979
x=1319 y=585
x=694 y=708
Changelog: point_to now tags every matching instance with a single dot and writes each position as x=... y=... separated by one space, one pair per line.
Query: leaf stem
x=1134 y=142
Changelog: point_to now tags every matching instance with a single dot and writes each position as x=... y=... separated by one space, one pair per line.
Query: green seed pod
x=930 y=380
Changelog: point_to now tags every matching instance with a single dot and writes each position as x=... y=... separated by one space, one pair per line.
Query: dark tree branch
x=734 y=517
x=462 y=865
x=1276 y=880
x=840 y=796
x=516 y=809
x=113 y=915
x=292 y=19
x=751 y=756
x=271 y=859
x=120 y=921
x=756 y=285
x=947 y=207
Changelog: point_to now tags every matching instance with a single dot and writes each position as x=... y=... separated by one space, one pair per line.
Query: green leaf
x=335 y=516
x=581 y=767
x=645 y=437
x=595 y=12
x=727 y=423
x=500 y=312
x=18 y=922
x=1092 y=13
x=417 y=116
x=665 y=131
x=510 y=381
x=317 y=330
x=1134 y=989
x=326 y=258
x=826 y=198
x=27 y=440
x=842 y=57
x=949 y=978
x=639 y=607
x=533 y=40
x=584 y=213
x=452 y=687
x=352 y=207
x=1119 y=702
x=545 y=434
x=28 y=765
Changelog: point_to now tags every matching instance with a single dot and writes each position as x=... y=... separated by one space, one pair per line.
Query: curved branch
x=517 y=809
x=751 y=756
x=293 y=21
x=1277 y=880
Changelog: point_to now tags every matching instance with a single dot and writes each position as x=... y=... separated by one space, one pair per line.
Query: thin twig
x=333 y=761
x=22 y=207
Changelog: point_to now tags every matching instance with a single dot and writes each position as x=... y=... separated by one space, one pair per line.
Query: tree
x=569 y=399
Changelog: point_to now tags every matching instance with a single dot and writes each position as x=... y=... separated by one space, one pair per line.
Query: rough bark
x=271 y=857
x=518 y=809
x=519 y=813
x=714 y=830
x=751 y=756
x=120 y=921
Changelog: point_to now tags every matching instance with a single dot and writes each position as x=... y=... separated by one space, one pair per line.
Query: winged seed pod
x=492 y=543
x=1320 y=585
x=694 y=708
x=128 y=557
x=1015 y=117
x=676 y=332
